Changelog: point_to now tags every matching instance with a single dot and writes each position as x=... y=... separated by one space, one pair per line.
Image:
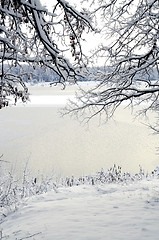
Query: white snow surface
x=100 y=212
x=45 y=100
x=85 y=212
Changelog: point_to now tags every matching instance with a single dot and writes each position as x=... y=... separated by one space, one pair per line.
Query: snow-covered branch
x=30 y=34
x=131 y=58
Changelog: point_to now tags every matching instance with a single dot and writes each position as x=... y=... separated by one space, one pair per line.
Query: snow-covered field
x=127 y=210
x=36 y=133
x=99 y=212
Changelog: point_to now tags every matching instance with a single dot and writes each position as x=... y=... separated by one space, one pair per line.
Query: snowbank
x=99 y=212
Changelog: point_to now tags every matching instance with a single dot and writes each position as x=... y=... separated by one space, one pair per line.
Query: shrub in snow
x=112 y=175
x=13 y=191
x=155 y=172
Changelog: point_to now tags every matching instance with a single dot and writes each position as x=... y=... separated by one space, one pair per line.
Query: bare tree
x=30 y=34
x=131 y=54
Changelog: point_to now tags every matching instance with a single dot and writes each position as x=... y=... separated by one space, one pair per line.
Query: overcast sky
x=91 y=41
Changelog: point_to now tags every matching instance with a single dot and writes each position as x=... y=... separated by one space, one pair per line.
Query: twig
x=35 y=234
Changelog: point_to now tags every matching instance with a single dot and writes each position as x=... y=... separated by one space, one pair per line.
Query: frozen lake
x=37 y=134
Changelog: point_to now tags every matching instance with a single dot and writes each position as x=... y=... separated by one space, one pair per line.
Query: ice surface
x=35 y=132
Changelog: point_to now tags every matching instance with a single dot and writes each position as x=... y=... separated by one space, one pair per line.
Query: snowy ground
x=99 y=212
x=110 y=211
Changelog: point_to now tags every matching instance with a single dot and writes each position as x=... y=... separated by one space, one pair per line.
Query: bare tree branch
x=30 y=34
x=131 y=53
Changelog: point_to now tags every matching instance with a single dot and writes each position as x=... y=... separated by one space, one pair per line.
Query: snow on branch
x=31 y=34
x=131 y=58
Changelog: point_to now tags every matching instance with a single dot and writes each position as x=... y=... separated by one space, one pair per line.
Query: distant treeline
x=37 y=74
